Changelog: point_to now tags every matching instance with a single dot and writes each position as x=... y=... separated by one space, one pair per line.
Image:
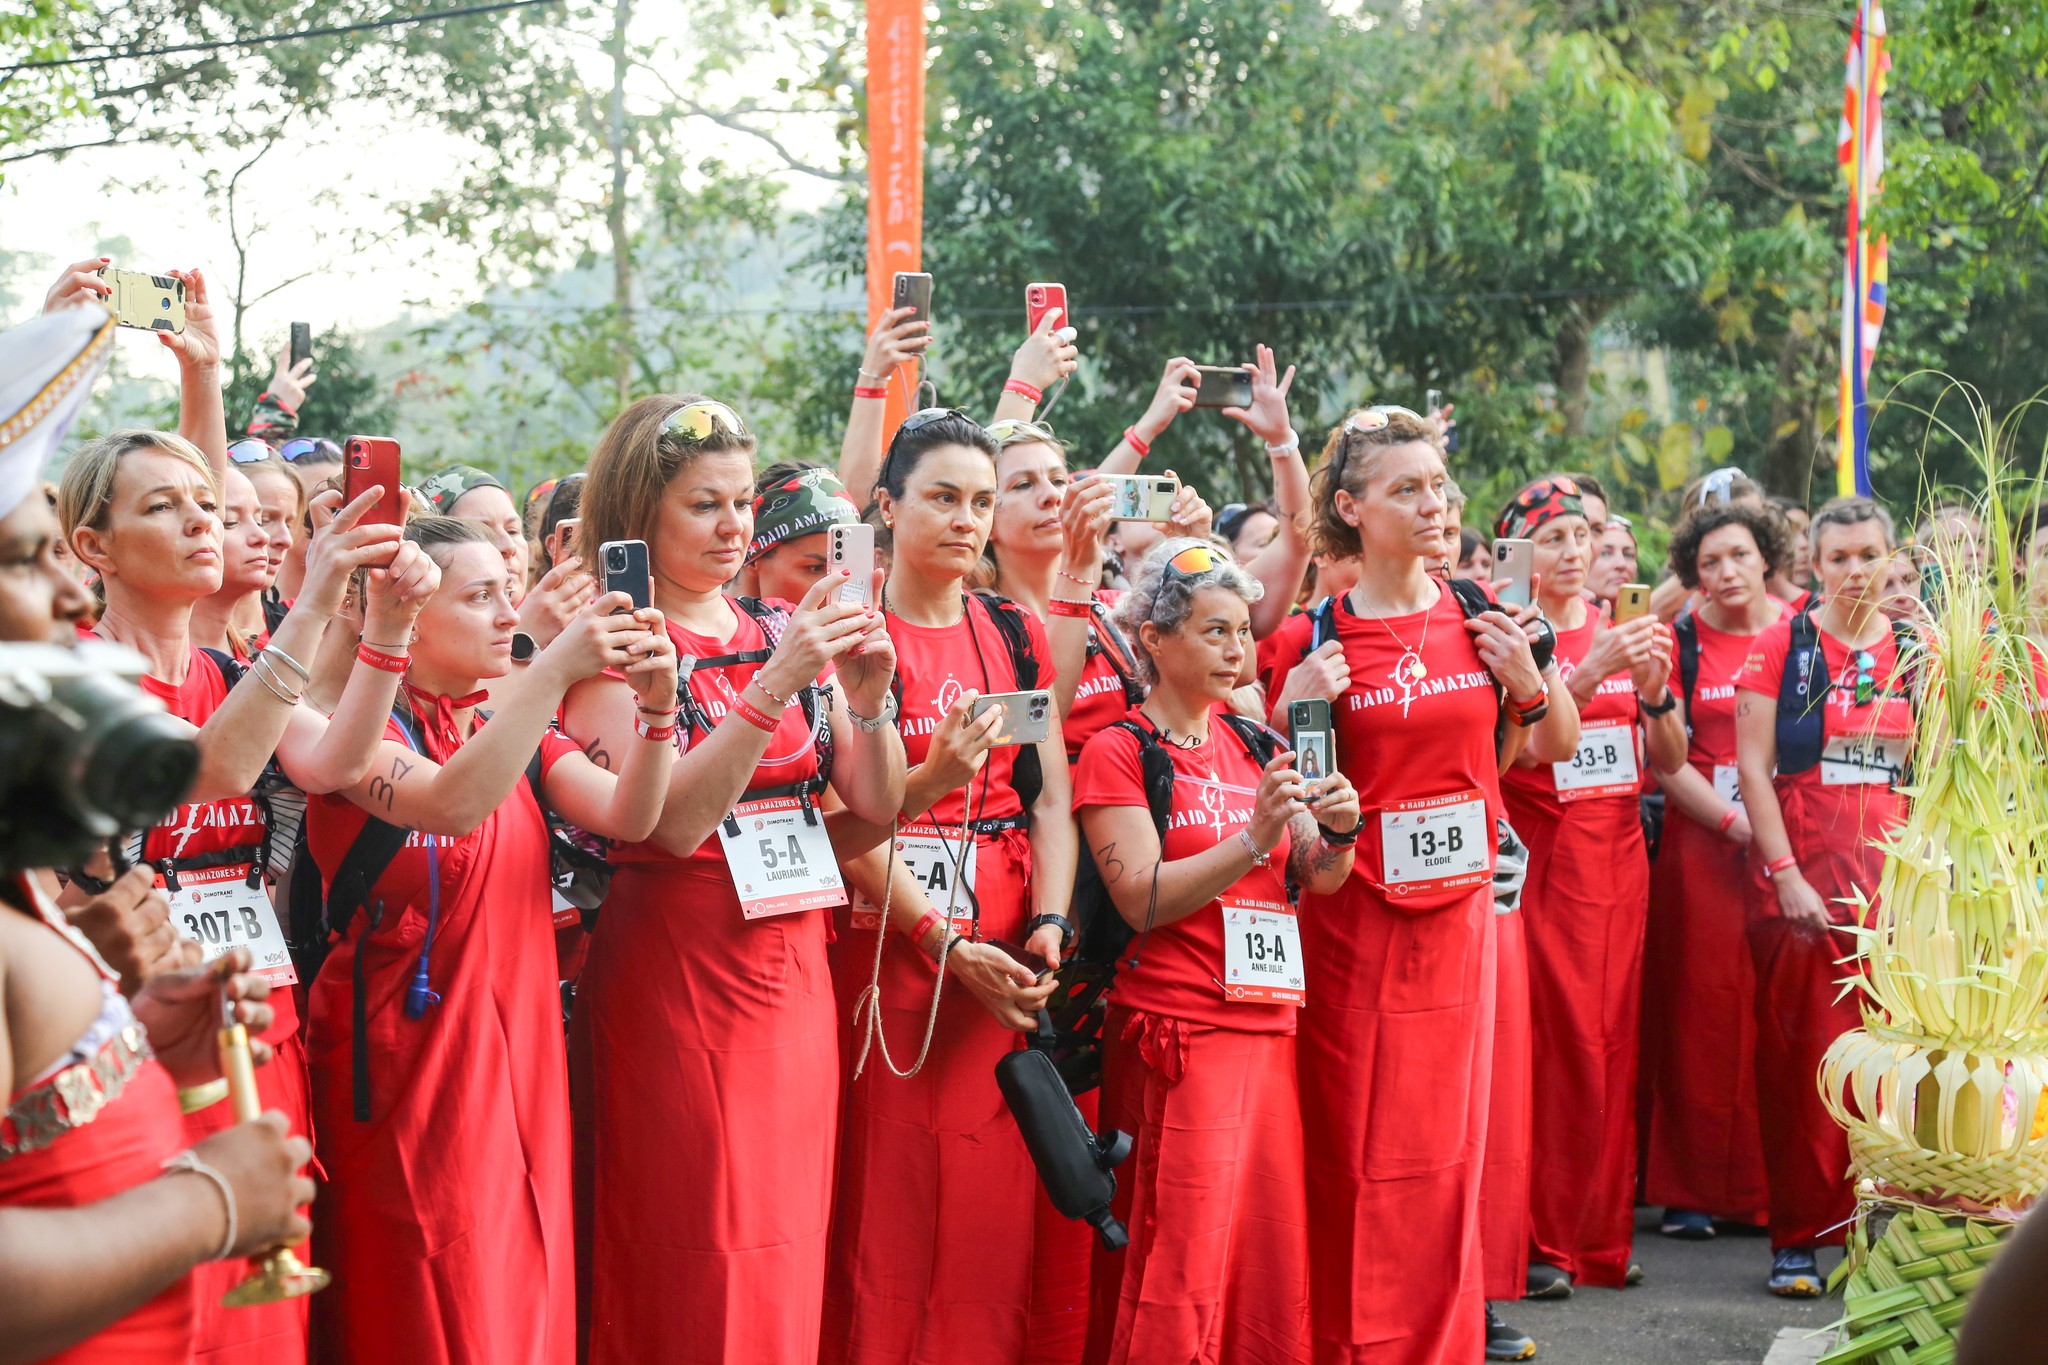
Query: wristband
x=1290 y=446
x=1728 y=821
x=1542 y=698
x=868 y=391
x=1788 y=863
x=188 y=1160
x=932 y=920
x=1669 y=704
x=1132 y=440
x=1336 y=840
x=1060 y=606
x=1525 y=719
x=1059 y=922
x=378 y=659
x=753 y=715
x=1024 y=390
x=664 y=731
x=779 y=701
x=1260 y=858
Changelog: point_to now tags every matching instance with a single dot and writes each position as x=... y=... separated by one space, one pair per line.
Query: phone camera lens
x=615 y=558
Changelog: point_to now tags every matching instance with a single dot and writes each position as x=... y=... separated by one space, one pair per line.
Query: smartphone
x=302 y=341
x=1040 y=299
x=565 y=537
x=1141 y=497
x=1034 y=963
x=1514 y=560
x=1632 y=601
x=1027 y=716
x=851 y=546
x=371 y=462
x=155 y=303
x=1223 y=386
x=913 y=289
x=624 y=563
x=1431 y=403
x=1309 y=735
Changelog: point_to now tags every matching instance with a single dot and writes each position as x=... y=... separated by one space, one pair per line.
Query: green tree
x=347 y=399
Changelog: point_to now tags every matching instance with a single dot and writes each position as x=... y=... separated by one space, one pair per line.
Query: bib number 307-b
x=216 y=908
x=1440 y=843
x=1261 y=954
x=780 y=861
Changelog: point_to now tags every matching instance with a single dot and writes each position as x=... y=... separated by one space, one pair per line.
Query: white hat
x=47 y=369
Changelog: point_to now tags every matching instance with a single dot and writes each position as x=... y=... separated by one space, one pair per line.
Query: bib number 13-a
x=780 y=860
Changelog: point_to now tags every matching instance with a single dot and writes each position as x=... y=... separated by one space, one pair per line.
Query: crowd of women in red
x=632 y=971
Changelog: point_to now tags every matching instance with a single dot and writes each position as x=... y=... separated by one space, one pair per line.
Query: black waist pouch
x=1072 y=1162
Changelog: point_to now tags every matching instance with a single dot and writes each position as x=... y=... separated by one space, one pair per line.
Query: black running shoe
x=1504 y=1342
x=1688 y=1225
x=1548 y=1282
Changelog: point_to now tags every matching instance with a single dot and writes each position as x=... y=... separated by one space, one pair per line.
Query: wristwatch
x=524 y=647
x=867 y=726
x=1664 y=708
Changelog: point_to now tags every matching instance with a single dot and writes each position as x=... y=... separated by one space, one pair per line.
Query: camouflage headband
x=446 y=488
x=803 y=504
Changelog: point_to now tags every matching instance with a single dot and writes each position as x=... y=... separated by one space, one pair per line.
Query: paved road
x=1701 y=1303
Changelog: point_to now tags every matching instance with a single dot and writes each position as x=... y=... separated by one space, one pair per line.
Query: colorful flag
x=1865 y=273
x=896 y=53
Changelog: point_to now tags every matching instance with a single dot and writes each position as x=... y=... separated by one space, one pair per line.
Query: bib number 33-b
x=780 y=861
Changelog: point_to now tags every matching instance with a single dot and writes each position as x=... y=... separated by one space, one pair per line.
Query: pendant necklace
x=1410 y=657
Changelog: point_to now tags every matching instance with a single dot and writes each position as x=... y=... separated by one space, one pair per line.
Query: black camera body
x=85 y=754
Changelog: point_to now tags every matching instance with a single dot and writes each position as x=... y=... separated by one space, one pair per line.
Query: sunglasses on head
x=1194 y=561
x=1543 y=490
x=918 y=420
x=1015 y=430
x=1719 y=485
x=696 y=421
x=249 y=450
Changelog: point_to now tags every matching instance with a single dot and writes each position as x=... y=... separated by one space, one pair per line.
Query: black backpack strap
x=1322 y=619
x=1260 y=741
x=1473 y=602
x=1802 y=691
x=1687 y=629
x=1008 y=619
x=1105 y=639
x=232 y=670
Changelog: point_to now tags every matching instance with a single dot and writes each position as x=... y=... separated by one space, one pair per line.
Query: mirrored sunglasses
x=696 y=421
x=249 y=450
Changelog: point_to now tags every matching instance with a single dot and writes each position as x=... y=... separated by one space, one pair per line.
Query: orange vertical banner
x=895 y=166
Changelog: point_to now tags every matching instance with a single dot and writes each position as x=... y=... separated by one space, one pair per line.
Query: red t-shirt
x=1614 y=703
x=1100 y=699
x=1710 y=711
x=1181 y=965
x=934 y=665
x=1888 y=714
x=792 y=753
x=1403 y=740
x=1287 y=643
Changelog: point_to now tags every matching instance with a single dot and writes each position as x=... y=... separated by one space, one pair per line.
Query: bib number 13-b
x=780 y=861
x=1437 y=844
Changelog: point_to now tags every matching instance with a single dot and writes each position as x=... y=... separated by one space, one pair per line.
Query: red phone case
x=1040 y=299
x=369 y=462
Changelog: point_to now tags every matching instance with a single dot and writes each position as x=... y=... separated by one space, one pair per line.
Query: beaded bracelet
x=378 y=659
x=1060 y=606
x=753 y=715
x=779 y=701
x=1024 y=390
x=1132 y=439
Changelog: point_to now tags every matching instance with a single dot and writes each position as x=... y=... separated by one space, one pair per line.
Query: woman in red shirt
x=704 y=1042
x=1393 y=1053
x=1704 y=1150
x=142 y=509
x=437 y=1012
x=932 y=1241
x=1198 y=1063
x=1585 y=903
x=1813 y=812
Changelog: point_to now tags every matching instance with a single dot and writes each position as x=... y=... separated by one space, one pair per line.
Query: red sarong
x=1584 y=906
x=445 y=1218
x=932 y=1233
x=1213 y=1195
x=1395 y=1065
x=1504 y=1184
x=1702 y=1140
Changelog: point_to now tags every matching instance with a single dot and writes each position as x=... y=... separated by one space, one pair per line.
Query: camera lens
x=119 y=761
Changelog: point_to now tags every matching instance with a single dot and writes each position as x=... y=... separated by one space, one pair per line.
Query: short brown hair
x=633 y=465
x=1349 y=455
x=1766 y=526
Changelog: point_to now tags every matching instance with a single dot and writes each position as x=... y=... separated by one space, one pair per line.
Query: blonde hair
x=85 y=495
x=633 y=465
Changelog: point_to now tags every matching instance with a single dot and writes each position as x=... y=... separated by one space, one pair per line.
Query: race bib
x=780 y=862
x=935 y=859
x=1436 y=844
x=1862 y=760
x=1725 y=785
x=1605 y=764
x=216 y=908
x=1261 y=954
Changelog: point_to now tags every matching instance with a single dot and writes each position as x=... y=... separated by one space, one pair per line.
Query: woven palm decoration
x=1941 y=1090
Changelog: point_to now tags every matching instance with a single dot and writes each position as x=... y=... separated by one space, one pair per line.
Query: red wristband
x=1131 y=439
x=932 y=920
x=1777 y=865
x=1728 y=820
x=1060 y=606
x=867 y=391
x=378 y=659
x=753 y=715
x=1022 y=389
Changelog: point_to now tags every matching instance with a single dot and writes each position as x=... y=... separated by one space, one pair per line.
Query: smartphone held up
x=372 y=462
x=154 y=303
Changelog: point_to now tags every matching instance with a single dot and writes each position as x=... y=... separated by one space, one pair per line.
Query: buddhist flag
x=895 y=166
x=1865 y=272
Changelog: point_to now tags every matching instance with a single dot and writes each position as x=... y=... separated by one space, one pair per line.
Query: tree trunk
x=1793 y=445
x=1573 y=345
x=615 y=211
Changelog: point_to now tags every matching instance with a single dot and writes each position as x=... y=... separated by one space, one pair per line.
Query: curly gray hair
x=1167 y=600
